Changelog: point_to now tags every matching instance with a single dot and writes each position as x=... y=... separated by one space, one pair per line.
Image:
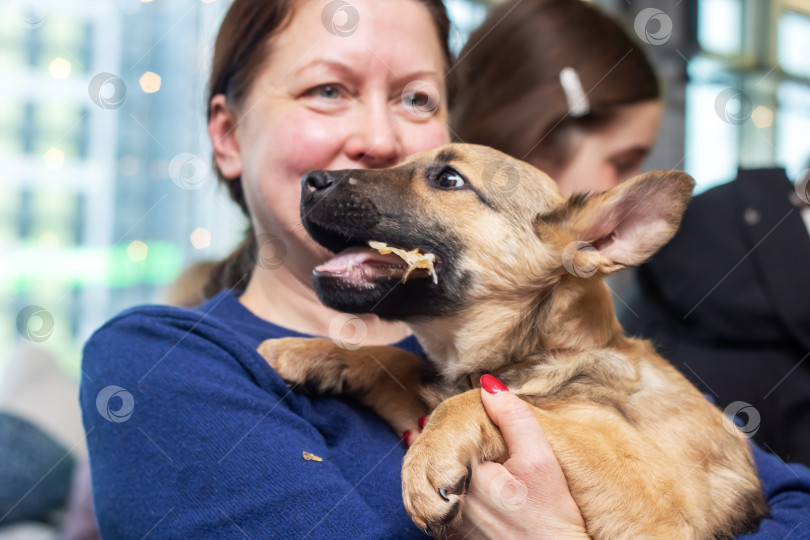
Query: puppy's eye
x=450 y=179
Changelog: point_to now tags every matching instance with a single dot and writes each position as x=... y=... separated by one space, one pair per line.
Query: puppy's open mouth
x=363 y=266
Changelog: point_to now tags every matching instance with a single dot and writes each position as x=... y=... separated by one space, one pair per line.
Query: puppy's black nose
x=316 y=181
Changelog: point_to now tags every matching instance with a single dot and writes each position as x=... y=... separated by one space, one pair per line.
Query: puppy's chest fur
x=548 y=379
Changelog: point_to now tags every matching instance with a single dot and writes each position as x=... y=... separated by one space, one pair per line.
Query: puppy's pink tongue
x=358 y=256
x=360 y=266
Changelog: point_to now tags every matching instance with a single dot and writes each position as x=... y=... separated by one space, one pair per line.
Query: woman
x=559 y=84
x=190 y=433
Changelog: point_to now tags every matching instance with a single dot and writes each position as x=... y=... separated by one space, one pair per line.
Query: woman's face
x=334 y=97
x=605 y=157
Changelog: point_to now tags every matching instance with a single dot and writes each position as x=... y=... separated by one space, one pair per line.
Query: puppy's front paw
x=298 y=360
x=435 y=478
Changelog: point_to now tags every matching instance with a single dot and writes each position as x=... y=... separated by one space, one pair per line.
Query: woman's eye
x=450 y=179
x=628 y=163
x=420 y=101
x=328 y=91
x=622 y=168
x=327 y=98
x=625 y=170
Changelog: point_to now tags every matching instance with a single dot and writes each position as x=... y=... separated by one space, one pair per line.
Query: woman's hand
x=527 y=496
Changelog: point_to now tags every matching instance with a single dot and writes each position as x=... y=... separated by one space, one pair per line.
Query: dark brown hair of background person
x=243 y=46
x=509 y=77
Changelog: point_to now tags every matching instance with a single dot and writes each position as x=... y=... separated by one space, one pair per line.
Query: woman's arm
x=787 y=489
x=213 y=450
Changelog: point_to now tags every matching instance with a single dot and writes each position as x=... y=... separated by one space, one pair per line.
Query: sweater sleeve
x=787 y=489
x=186 y=442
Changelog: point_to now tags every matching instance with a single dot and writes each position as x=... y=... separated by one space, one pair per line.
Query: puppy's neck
x=580 y=316
x=575 y=314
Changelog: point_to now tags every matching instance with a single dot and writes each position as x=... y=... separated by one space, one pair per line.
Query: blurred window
x=793 y=121
x=53 y=217
x=58 y=126
x=8 y=216
x=13 y=39
x=709 y=136
x=794 y=43
x=720 y=26
x=63 y=37
x=748 y=95
x=466 y=17
x=12 y=126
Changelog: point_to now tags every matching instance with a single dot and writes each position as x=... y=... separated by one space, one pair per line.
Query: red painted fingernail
x=406 y=437
x=492 y=385
x=422 y=422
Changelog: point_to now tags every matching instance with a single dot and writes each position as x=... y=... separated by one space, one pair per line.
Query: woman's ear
x=222 y=130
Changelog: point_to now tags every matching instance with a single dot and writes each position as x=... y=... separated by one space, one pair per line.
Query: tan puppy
x=518 y=291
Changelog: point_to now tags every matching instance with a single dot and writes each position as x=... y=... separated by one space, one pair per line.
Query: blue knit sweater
x=192 y=435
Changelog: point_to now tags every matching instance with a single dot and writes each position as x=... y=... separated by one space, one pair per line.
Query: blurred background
x=107 y=191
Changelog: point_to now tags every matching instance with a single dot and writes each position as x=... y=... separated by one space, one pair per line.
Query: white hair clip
x=578 y=104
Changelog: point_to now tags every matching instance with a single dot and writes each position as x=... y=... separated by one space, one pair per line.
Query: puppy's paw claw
x=459 y=488
x=434 y=487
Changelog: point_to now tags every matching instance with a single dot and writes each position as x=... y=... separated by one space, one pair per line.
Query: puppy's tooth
x=443 y=494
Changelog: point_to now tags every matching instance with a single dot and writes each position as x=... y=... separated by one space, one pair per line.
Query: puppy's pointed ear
x=623 y=226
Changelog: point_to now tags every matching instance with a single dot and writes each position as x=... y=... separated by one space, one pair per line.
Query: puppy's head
x=498 y=229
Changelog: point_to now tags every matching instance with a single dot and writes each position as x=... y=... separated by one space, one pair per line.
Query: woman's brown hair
x=509 y=74
x=243 y=45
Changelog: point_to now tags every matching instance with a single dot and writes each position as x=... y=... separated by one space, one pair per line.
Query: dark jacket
x=727 y=301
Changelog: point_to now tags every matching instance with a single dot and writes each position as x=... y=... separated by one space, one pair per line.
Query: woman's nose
x=375 y=140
